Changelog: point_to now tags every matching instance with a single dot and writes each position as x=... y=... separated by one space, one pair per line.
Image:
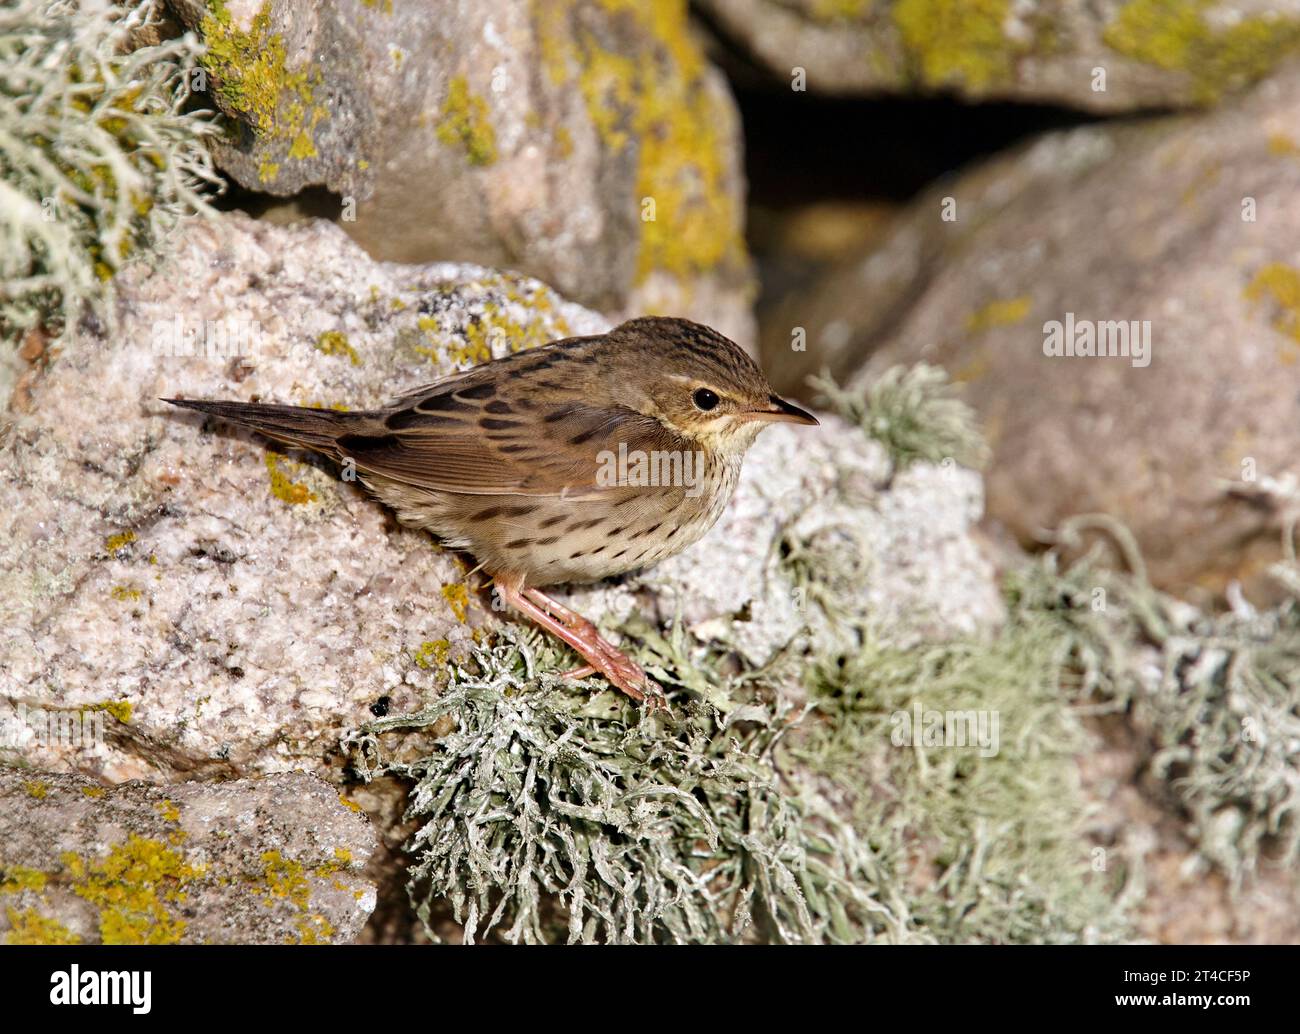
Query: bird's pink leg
x=601 y=655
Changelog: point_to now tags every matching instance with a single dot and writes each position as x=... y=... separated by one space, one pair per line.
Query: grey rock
x=1188 y=223
x=512 y=135
x=1110 y=56
x=254 y=861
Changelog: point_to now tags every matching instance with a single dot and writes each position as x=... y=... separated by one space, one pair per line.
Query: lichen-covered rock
x=586 y=144
x=231 y=610
x=1117 y=55
x=253 y=861
x=1186 y=226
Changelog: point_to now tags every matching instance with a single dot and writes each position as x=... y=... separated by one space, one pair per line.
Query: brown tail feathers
x=317 y=429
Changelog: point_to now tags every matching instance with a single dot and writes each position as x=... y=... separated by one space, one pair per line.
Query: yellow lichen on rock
x=252 y=79
x=30 y=927
x=1279 y=284
x=433 y=653
x=135 y=888
x=335 y=342
x=957 y=42
x=657 y=99
x=1177 y=36
x=14 y=879
x=283 y=487
x=115 y=542
x=285 y=879
x=998 y=313
x=457 y=597
x=465 y=123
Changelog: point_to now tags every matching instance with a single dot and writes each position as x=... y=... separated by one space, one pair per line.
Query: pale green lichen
x=715 y=823
x=913 y=412
x=1218 y=695
x=101 y=156
x=1176 y=35
x=464 y=123
x=965 y=848
x=642 y=831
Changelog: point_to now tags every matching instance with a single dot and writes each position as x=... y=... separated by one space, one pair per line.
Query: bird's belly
x=659 y=525
x=553 y=540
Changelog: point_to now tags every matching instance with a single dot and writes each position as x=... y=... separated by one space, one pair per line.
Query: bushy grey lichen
x=98 y=154
x=913 y=411
x=640 y=827
x=969 y=845
x=549 y=814
x=1217 y=695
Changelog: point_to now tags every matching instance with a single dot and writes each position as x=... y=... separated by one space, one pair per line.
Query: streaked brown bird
x=572 y=462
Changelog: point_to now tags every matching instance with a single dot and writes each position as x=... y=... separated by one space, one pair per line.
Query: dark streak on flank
x=502 y=511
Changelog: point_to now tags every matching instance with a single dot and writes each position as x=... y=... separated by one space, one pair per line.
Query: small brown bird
x=573 y=462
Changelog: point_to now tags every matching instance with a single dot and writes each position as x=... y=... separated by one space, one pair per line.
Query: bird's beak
x=780 y=409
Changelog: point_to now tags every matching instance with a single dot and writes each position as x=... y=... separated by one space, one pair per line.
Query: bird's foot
x=601 y=655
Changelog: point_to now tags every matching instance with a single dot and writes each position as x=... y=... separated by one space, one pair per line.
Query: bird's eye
x=704 y=399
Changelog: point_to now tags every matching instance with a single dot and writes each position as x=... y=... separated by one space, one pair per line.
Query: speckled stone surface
x=252 y=861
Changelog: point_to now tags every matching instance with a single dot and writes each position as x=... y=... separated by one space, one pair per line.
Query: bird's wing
x=485 y=435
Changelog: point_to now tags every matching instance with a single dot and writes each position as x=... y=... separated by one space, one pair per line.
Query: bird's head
x=697 y=383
